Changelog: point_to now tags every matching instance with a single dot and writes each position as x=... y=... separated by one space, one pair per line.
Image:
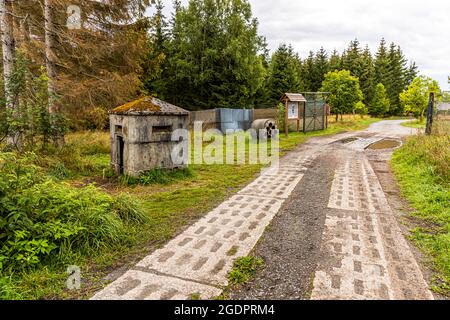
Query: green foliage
x=212 y=57
x=344 y=91
x=41 y=219
x=380 y=103
x=416 y=124
x=319 y=70
x=28 y=118
x=283 y=73
x=159 y=176
x=281 y=116
x=8 y=290
x=95 y=119
x=422 y=169
x=392 y=71
x=361 y=108
x=244 y=269
x=415 y=98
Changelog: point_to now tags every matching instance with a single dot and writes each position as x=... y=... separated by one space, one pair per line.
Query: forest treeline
x=206 y=54
x=209 y=54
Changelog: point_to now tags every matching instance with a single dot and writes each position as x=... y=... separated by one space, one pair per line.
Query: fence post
x=430 y=114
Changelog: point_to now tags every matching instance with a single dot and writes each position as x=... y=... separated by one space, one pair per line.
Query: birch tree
x=50 y=62
x=8 y=50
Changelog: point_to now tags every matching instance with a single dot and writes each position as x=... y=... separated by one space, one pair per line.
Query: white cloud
x=420 y=28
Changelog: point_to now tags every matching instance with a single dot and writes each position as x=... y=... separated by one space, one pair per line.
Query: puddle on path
x=384 y=144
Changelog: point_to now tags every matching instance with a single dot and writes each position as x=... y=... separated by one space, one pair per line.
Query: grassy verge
x=422 y=168
x=169 y=202
x=416 y=124
x=244 y=269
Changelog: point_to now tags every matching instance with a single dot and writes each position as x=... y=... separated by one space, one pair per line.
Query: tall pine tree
x=320 y=69
x=283 y=73
x=335 y=62
x=366 y=77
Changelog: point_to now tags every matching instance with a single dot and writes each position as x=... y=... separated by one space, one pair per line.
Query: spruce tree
x=366 y=78
x=307 y=74
x=335 y=62
x=381 y=64
x=215 y=56
x=154 y=62
x=380 y=104
x=351 y=59
x=397 y=80
x=320 y=69
x=283 y=73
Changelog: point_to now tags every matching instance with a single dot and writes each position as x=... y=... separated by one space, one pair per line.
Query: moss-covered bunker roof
x=149 y=106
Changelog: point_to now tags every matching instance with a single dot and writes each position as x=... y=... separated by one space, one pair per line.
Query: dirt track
x=333 y=232
x=338 y=236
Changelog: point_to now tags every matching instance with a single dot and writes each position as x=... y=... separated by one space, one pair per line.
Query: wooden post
x=430 y=113
x=304 y=117
x=286 y=120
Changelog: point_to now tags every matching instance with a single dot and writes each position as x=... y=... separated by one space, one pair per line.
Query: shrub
x=43 y=219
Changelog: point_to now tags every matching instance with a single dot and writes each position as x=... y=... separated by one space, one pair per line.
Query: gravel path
x=291 y=245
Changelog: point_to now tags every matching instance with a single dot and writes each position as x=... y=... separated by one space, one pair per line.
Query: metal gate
x=314 y=113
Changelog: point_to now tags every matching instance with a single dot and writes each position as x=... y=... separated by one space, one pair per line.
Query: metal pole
x=430 y=113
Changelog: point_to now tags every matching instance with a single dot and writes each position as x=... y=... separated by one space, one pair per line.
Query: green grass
x=416 y=124
x=159 y=176
x=170 y=201
x=244 y=270
x=422 y=168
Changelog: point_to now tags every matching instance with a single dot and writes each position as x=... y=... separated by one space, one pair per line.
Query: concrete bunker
x=141 y=135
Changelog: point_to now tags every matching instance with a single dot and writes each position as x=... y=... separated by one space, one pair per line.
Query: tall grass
x=422 y=167
x=84 y=154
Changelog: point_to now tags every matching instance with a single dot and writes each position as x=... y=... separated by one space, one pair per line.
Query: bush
x=42 y=219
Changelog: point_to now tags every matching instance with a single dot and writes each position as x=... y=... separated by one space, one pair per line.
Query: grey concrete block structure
x=141 y=135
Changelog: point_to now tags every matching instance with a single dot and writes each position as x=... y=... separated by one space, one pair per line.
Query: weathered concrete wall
x=147 y=141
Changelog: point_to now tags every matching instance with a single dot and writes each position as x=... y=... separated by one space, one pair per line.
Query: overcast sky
x=421 y=28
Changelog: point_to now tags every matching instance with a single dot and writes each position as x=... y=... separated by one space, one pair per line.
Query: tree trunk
x=51 y=59
x=9 y=50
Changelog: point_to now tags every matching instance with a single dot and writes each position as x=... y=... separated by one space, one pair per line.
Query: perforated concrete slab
x=138 y=285
x=280 y=186
x=366 y=254
x=356 y=187
x=205 y=252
